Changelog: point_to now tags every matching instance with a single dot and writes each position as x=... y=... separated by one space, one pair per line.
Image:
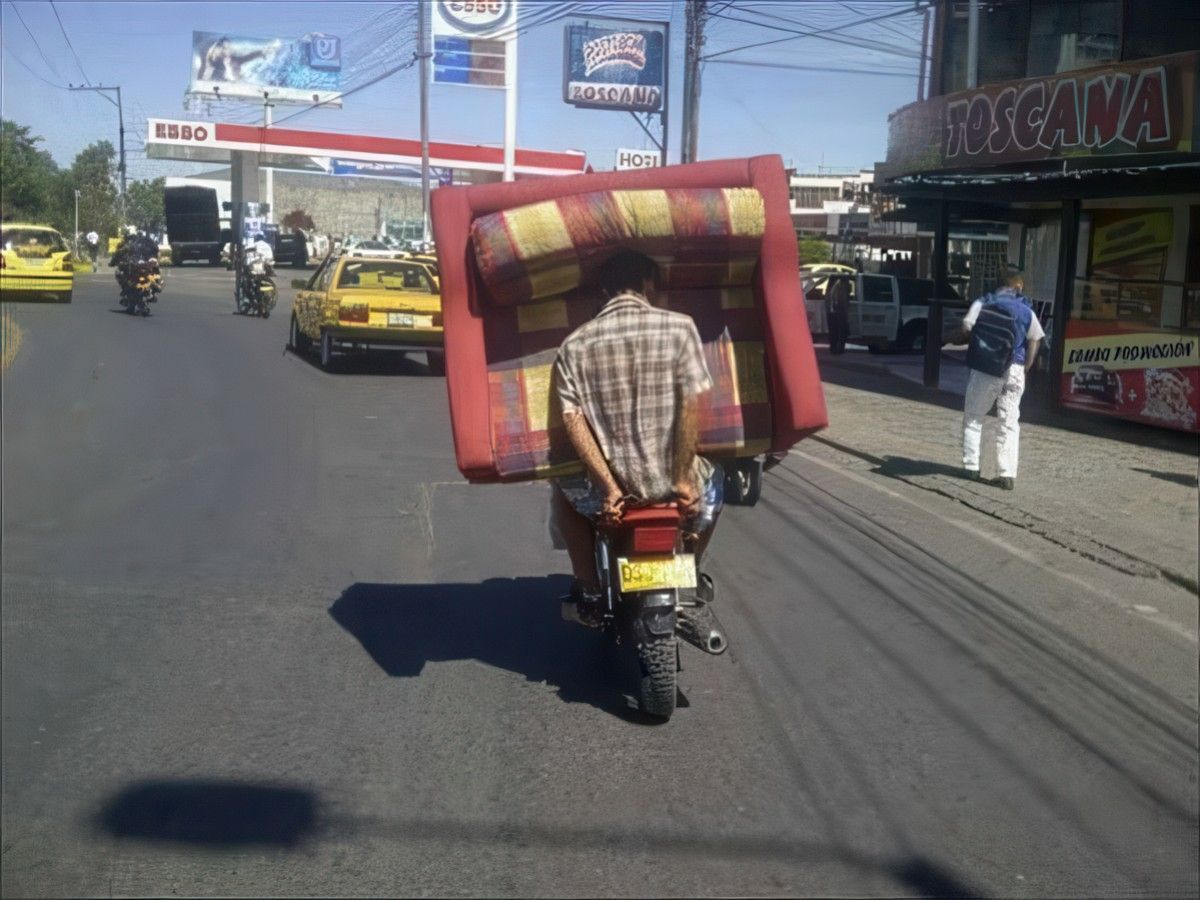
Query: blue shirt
x=1027 y=327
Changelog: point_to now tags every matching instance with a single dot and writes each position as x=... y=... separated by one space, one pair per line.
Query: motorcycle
x=651 y=594
x=258 y=287
x=141 y=282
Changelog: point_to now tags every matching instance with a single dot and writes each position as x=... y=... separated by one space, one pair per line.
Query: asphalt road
x=260 y=638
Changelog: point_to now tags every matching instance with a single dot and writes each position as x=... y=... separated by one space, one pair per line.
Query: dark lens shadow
x=216 y=813
x=513 y=624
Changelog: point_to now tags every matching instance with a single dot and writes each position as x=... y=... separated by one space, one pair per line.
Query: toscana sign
x=1139 y=107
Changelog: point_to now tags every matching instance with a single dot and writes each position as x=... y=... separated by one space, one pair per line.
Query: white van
x=885 y=312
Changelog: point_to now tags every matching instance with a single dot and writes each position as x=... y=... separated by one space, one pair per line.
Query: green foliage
x=29 y=183
x=144 y=204
x=298 y=218
x=814 y=251
x=33 y=188
x=93 y=175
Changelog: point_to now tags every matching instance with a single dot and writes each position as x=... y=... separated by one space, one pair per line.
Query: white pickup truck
x=885 y=312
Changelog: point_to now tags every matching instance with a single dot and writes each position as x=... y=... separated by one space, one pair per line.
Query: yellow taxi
x=365 y=301
x=34 y=264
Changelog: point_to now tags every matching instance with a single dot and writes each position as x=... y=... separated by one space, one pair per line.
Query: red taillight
x=654 y=539
x=357 y=313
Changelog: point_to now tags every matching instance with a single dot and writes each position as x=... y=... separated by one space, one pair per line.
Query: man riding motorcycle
x=629 y=382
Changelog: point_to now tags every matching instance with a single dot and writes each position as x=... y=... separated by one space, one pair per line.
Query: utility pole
x=77 y=221
x=270 y=175
x=423 y=57
x=693 y=43
x=102 y=90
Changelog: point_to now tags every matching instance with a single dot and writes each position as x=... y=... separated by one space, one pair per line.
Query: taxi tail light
x=354 y=314
x=654 y=539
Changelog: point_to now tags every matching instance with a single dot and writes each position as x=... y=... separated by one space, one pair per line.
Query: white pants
x=982 y=391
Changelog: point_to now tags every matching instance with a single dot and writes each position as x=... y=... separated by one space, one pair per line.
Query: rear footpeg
x=698 y=626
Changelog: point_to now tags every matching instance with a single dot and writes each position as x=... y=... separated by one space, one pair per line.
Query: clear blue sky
x=809 y=117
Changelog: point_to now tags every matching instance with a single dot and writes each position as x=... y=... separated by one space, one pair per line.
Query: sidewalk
x=1122 y=494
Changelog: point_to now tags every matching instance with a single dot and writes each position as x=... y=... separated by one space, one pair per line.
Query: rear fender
x=652 y=614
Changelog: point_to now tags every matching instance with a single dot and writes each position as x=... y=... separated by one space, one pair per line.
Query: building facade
x=1075 y=126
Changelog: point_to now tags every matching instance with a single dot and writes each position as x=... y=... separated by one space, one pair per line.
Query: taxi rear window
x=31 y=241
x=382 y=275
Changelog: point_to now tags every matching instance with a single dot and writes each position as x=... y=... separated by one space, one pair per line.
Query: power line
x=771 y=65
x=63 y=29
x=49 y=64
x=823 y=32
x=29 y=69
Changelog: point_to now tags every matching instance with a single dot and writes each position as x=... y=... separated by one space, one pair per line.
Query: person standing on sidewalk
x=1006 y=310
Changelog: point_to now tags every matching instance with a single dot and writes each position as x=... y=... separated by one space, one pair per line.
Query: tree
x=813 y=251
x=29 y=185
x=93 y=175
x=298 y=218
x=144 y=204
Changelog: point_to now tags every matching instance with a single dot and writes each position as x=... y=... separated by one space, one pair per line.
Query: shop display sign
x=1131 y=108
x=615 y=65
x=1117 y=357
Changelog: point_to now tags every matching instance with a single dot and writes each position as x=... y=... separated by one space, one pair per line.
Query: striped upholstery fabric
x=707 y=243
x=700 y=237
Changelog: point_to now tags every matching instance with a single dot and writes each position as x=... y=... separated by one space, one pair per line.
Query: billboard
x=296 y=70
x=469 y=41
x=615 y=65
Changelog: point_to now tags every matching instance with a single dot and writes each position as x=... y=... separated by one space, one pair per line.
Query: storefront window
x=1065 y=35
x=1160 y=27
x=1131 y=348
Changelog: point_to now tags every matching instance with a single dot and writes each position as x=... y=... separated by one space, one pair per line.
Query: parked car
x=885 y=312
x=34 y=264
x=360 y=301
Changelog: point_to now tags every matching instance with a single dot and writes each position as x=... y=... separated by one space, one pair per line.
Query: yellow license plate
x=656 y=573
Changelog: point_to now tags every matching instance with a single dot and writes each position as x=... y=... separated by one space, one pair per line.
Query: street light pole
x=77 y=221
x=423 y=70
x=103 y=90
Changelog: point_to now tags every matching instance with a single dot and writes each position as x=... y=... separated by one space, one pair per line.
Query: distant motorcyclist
x=258 y=267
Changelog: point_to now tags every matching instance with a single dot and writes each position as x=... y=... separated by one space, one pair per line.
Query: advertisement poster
x=299 y=70
x=1147 y=376
x=615 y=65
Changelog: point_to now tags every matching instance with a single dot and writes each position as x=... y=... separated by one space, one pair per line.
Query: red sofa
x=481 y=331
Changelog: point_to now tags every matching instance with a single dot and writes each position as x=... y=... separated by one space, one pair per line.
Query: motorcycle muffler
x=698 y=626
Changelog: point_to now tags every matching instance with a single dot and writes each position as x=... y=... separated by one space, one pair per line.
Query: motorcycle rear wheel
x=658 y=659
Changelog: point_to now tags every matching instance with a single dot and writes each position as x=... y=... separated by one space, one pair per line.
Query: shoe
x=1005 y=483
x=584 y=606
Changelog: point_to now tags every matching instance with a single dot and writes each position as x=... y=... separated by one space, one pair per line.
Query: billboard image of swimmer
x=300 y=70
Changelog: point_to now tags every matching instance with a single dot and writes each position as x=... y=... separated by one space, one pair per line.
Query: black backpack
x=993 y=336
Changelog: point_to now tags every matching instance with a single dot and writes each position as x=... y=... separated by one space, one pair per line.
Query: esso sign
x=182 y=132
x=637 y=159
x=476 y=16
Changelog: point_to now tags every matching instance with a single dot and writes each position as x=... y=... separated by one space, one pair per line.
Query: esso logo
x=181 y=131
x=476 y=16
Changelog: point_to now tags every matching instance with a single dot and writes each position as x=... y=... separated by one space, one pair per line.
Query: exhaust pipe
x=699 y=627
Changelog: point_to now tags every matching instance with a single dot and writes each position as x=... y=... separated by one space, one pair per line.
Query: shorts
x=587 y=501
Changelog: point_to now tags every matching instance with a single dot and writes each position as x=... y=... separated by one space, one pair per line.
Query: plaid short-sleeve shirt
x=627 y=371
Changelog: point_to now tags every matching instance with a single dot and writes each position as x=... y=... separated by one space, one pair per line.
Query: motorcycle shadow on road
x=510 y=623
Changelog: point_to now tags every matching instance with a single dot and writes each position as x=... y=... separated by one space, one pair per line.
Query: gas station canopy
x=289 y=148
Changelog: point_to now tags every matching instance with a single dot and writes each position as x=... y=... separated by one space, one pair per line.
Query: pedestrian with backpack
x=1003 y=338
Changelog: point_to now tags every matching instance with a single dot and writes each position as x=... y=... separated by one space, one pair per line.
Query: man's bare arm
x=588 y=451
x=1031 y=353
x=687 y=436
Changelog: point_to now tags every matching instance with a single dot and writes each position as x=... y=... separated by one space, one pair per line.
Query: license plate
x=655 y=573
x=407 y=320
